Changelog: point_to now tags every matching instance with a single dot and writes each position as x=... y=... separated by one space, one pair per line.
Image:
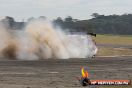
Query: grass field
x=113 y=39
x=110 y=51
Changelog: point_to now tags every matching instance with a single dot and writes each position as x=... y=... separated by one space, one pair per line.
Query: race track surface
x=61 y=73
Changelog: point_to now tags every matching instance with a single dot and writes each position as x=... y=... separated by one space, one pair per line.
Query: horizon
x=25 y=19
x=80 y=9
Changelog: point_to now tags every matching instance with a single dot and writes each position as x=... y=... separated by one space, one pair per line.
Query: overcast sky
x=80 y=9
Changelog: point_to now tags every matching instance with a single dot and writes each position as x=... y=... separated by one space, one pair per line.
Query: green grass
x=114 y=39
x=109 y=51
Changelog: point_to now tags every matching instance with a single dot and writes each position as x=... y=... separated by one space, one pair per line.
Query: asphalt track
x=61 y=73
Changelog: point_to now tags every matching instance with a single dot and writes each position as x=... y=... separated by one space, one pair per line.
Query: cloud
x=57 y=3
x=38 y=3
x=81 y=9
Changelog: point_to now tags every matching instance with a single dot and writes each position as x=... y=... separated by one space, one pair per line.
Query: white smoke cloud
x=40 y=40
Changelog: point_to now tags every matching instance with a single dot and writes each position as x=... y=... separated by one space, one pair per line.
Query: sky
x=79 y=9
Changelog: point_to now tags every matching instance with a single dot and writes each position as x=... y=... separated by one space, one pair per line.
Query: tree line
x=100 y=24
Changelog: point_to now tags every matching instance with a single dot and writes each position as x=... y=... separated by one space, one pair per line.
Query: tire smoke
x=40 y=40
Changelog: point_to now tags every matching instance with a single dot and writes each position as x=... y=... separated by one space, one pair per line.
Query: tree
x=9 y=22
x=95 y=15
x=69 y=19
x=42 y=17
x=30 y=19
x=59 y=20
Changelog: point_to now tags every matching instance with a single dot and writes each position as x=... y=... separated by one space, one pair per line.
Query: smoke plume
x=40 y=40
